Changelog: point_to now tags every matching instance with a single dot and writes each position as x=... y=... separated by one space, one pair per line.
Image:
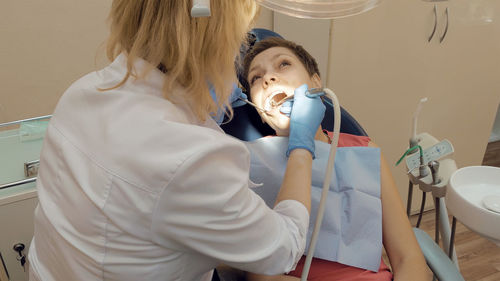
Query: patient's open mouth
x=275 y=100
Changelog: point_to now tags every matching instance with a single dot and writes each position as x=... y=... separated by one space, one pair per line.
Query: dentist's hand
x=236 y=97
x=234 y=100
x=306 y=113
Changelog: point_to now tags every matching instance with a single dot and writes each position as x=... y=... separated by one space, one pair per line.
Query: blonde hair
x=192 y=51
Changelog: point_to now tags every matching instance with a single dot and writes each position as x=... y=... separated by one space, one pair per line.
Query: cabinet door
x=16 y=226
x=383 y=64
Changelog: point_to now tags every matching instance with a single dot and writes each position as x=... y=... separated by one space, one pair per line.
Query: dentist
x=138 y=182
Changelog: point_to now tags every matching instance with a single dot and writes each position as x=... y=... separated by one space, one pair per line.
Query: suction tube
x=326 y=183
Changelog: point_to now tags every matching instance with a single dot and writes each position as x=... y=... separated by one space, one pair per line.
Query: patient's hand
x=258 y=277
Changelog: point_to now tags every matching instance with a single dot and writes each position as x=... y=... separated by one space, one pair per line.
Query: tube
x=326 y=183
x=415 y=117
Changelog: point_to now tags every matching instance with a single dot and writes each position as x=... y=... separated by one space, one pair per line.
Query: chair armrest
x=439 y=263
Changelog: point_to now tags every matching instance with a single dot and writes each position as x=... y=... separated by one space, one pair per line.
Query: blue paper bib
x=351 y=232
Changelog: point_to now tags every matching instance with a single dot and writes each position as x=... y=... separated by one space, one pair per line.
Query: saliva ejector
x=328 y=175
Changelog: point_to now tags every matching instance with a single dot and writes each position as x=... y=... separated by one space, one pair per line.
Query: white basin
x=472 y=198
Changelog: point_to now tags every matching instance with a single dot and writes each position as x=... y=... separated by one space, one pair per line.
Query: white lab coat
x=133 y=187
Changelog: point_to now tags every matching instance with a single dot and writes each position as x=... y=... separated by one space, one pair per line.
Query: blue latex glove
x=234 y=99
x=286 y=107
x=306 y=112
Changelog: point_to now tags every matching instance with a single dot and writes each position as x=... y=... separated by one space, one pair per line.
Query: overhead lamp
x=320 y=9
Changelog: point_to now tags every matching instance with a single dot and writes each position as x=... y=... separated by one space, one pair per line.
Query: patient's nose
x=270 y=79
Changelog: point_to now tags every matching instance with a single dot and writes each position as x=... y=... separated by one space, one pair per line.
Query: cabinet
x=382 y=64
x=18 y=147
x=16 y=226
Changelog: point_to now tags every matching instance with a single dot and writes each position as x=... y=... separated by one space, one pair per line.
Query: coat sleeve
x=208 y=208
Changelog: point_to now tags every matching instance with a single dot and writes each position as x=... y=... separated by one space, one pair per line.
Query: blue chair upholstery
x=247 y=125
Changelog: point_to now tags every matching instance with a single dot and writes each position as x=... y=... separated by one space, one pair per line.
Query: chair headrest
x=247 y=125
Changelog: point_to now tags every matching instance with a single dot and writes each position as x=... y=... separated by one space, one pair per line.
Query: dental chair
x=247 y=125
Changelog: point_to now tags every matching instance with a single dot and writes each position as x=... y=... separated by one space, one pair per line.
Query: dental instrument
x=254 y=105
x=430 y=169
x=434 y=166
x=413 y=139
x=422 y=170
x=276 y=100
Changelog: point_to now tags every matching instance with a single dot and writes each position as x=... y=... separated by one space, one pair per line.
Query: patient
x=274 y=68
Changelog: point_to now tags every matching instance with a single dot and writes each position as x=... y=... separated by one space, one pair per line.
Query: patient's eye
x=253 y=79
x=284 y=63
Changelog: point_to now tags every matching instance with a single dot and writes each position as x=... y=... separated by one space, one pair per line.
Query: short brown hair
x=307 y=60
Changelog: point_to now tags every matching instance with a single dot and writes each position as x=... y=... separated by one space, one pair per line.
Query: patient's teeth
x=275 y=100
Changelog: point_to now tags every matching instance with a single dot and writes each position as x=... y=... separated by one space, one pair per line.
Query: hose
x=326 y=183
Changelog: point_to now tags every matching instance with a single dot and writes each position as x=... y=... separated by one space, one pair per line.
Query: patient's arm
x=406 y=258
x=258 y=277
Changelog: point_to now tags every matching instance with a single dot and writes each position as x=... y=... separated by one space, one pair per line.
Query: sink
x=473 y=198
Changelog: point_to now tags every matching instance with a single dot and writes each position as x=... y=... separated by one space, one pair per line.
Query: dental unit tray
x=435 y=152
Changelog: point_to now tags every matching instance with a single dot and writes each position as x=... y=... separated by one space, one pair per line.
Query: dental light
x=320 y=9
x=314 y=9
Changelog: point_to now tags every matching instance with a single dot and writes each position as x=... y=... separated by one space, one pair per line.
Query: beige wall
x=265 y=19
x=45 y=46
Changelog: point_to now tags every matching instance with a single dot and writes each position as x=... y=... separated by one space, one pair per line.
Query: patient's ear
x=316 y=81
